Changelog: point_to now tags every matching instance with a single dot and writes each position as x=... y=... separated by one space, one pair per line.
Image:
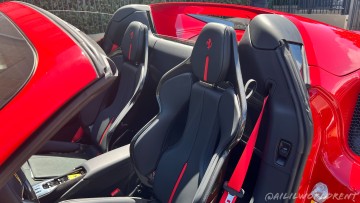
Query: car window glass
x=296 y=53
x=188 y=26
x=16 y=60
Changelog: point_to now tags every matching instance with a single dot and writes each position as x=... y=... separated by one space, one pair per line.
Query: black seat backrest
x=118 y=23
x=132 y=66
x=179 y=164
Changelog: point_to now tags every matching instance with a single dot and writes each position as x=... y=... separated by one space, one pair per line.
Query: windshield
x=187 y=27
x=16 y=60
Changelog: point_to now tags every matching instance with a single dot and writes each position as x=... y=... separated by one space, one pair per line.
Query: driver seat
x=184 y=163
x=59 y=157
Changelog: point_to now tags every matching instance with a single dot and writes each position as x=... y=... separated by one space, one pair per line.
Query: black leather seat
x=184 y=163
x=57 y=157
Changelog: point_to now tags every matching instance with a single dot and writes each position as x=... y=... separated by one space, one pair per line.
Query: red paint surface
x=171 y=19
x=62 y=72
x=332 y=101
x=334 y=49
x=333 y=55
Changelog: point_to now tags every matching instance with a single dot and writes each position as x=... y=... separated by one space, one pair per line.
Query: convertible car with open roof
x=178 y=102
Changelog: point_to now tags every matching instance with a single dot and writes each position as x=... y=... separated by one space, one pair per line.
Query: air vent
x=354 y=133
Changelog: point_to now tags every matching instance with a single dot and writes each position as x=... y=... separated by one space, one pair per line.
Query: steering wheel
x=19 y=187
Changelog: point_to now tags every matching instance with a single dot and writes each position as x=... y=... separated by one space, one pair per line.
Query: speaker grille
x=354 y=133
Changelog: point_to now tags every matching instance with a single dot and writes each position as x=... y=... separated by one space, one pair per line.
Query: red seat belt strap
x=78 y=135
x=237 y=178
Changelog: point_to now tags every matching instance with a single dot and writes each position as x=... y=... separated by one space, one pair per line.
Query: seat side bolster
x=229 y=112
x=147 y=146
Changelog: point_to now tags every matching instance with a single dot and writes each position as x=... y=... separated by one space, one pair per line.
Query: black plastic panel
x=354 y=133
x=264 y=57
x=119 y=22
x=103 y=172
x=266 y=31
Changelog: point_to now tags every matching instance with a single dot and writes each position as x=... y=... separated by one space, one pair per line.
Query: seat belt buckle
x=232 y=193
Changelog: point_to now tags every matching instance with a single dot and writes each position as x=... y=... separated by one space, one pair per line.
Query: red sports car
x=178 y=102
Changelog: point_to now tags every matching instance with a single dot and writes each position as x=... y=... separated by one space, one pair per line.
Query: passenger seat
x=186 y=163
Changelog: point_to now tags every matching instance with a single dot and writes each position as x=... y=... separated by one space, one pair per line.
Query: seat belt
x=233 y=187
x=78 y=135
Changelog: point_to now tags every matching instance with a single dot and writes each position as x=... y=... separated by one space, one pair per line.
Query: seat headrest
x=133 y=42
x=210 y=57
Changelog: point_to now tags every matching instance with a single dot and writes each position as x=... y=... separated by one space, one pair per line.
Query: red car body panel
x=166 y=14
x=332 y=53
x=61 y=72
x=321 y=40
x=334 y=60
x=331 y=161
x=333 y=49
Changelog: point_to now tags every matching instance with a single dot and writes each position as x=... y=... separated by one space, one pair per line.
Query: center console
x=44 y=188
x=99 y=176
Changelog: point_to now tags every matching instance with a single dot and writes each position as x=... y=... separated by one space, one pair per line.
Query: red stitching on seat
x=177 y=183
x=206 y=68
x=130 y=51
x=105 y=131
